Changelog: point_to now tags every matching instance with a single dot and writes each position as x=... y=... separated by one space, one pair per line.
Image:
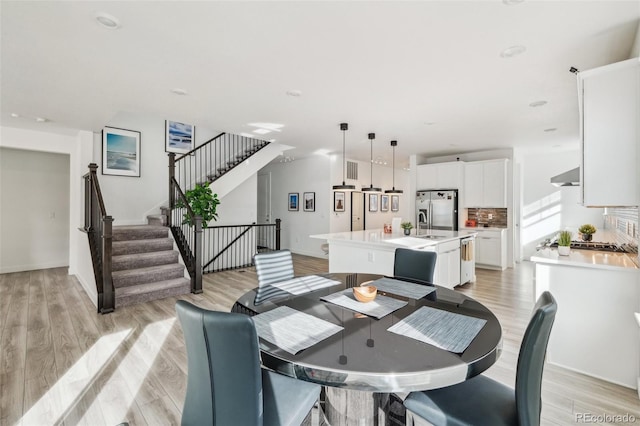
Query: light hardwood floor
x=61 y=363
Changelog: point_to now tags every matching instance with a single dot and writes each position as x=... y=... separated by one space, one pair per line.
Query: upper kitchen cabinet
x=440 y=176
x=485 y=183
x=610 y=134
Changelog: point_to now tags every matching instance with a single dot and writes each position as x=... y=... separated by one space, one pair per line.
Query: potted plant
x=202 y=202
x=564 y=243
x=407 y=226
x=586 y=231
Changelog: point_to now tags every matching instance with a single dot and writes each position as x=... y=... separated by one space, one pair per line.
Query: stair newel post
x=196 y=278
x=172 y=175
x=278 y=221
x=107 y=283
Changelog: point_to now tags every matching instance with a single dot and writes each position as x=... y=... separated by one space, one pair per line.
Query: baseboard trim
x=91 y=292
x=35 y=267
x=309 y=253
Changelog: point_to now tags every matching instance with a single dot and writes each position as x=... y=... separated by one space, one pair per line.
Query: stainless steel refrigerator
x=437 y=210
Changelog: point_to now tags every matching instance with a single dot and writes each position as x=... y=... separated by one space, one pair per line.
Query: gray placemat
x=377 y=308
x=402 y=288
x=301 y=285
x=292 y=330
x=445 y=330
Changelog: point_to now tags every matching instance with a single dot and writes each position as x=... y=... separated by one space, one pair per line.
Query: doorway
x=357 y=211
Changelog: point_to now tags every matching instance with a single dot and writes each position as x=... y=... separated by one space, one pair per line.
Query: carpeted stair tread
x=151 y=291
x=137 y=276
x=141 y=246
x=143 y=260
x=139 y=232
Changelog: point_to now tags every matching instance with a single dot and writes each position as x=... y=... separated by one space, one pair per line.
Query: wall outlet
x=52 y=215
x=371 y=257
x=490 y=216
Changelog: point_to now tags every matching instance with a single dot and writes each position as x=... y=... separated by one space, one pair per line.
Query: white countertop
x=394 y=239
x=483 y=228
x=587 y=259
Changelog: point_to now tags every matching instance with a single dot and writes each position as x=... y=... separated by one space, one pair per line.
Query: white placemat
x=445 y=330
x=403 y=288
x=292 y=330
x=378 y=308
x=301 y=285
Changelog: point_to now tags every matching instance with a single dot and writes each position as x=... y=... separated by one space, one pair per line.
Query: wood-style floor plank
x=61 y=362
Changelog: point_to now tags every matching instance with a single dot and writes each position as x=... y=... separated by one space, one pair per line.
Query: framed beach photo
x=120 y=152
x=338 y=201
x=293 y=202
x=373 y=202
x=384 y=203
x=179 y=137
x=309 y=201
x=395 y=203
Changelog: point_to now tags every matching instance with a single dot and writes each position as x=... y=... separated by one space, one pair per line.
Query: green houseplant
x=586 y=231
x=407 y=226
x=203 y=203
x=564 y=242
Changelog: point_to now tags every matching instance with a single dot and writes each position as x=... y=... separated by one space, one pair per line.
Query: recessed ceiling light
x=179 y=92
x=551 y=129
x=556 y=145
x=14 y=115
x=108 y=21
x=294 y=93
x=261 y=131
x=537 y=104
x=429 y=123
x=512 y=2
x=41 y=120
x=512 y=51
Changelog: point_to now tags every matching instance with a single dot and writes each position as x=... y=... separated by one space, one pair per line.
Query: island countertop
x=587 y=259
x=377 y=237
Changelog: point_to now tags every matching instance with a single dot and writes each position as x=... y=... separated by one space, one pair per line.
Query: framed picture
x=120 y=152
x=179 y=137
x=338 y=201
x=384 y=203
x=309 y=201
x=395 y=203
x=293 y=201
x=373 y=202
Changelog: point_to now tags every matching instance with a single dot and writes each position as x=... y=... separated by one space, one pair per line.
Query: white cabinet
x=610 y=130
x=491 y=249
x=485 y=183
x=448 y=264
x=440 y=176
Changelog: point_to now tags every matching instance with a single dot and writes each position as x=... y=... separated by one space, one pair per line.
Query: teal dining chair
x=414 y=264
x=483 y=401
x=225 y=384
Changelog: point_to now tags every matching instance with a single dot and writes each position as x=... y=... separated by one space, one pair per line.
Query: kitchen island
x=373 y=251
x=595 y=331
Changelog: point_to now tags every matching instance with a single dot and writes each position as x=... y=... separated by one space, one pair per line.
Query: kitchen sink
x=431 y=237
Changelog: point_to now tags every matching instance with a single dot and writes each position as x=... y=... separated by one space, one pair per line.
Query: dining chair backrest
x=414 y=264
x=273 y=267
x=224 y=383
x=531 y=360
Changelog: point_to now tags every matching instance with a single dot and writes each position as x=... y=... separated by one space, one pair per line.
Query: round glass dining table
x=365 y=356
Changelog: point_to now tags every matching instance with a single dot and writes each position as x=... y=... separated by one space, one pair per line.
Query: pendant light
x=393 y=169
x=344 y=187
x=371 y=188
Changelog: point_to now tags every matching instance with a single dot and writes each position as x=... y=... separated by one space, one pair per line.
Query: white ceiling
x=383 y=67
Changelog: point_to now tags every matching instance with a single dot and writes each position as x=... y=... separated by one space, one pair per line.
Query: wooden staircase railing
x=98 y=226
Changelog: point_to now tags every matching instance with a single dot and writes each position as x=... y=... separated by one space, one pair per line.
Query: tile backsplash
x=625 y=222
x=498 y=217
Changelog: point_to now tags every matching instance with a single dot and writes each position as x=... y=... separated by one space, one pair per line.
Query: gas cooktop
x=590 y=245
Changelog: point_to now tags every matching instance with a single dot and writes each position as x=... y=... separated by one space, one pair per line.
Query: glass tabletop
x=365 y=355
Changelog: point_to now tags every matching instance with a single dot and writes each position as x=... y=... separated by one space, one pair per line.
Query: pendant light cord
x=344 y=159
x=371 y=140
x=393 y=168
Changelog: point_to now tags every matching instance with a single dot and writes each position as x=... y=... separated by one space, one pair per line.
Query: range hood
x=570 y=178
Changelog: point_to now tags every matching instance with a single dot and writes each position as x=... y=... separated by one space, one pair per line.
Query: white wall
x=546 y=209
x=78 y=146
x=635 y=49
x=130 y=199
x=239 y=207
x=34 y=210
x=309 y=174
